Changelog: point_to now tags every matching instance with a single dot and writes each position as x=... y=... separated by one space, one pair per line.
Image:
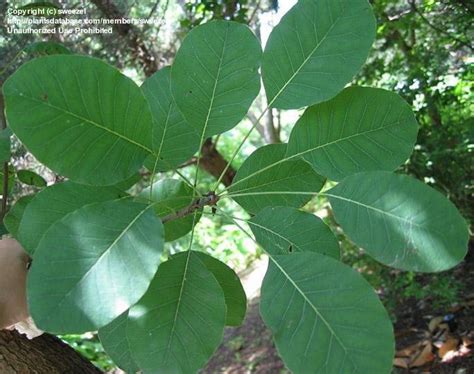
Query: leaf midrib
x=170 y=340
x=101 y=257
x=315 y=309
x=93 y=123
x=211 y=104
x=305 y=61
x=299 y=154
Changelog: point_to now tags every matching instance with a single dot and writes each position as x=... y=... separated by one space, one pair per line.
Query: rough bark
x=45 y=354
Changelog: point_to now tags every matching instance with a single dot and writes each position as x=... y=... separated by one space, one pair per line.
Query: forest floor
x=428 y=339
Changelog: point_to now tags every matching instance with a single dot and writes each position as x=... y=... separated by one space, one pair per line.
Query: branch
x=436 y=28
x=210 y=199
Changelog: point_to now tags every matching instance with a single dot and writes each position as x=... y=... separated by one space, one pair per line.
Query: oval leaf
x=325 y=317
x=92 y=265
x=31 y=178
x=80 y=117
x=115 y=342
x=361 y=129
x=168 y=196
x=315 y=50
x=54 y=203
x=214 y=78
x=267 y=179
x=179 y=322
x=234 y=294
x=400 y=221
x=284 y=230
x=174 y=140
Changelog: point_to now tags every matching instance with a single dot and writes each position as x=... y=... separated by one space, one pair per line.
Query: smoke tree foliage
x=98 y=251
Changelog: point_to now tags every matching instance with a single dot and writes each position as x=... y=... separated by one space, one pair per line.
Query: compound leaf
x=174 y=140
x=92 y=265
x=400 y=221
x=214 y=78
x=325 y=318
x=284 y=230
x=361 y=129
x=54 y=203
x=179 y=322
x=315 y=50
x=266 y=171
x=80 y=117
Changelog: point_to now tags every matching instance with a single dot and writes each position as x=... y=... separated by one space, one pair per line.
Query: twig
x=210 y=199
x=436 y=28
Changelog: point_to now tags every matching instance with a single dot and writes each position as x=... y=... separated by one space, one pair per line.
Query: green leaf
x=325 y=318
x=115 y=342
x=128 y=183
x=92 y=265
x=31 y=178
x=400 y=221
x=266 y=171
x=315 y=50
x=179 y=322
x=169 y=196
x=80 y=117
x=362 y=129
x=55 y=202
x=46 y=48
x=174 y=140
x=14 y=216
x=283 y=230
x=214 y=78
x=234 y=294
x=5 y=144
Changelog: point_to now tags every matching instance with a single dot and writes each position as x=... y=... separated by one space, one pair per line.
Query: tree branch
x=436 y=28
x=210 y=199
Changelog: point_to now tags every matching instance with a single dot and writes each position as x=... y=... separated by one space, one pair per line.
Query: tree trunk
x=45 y=354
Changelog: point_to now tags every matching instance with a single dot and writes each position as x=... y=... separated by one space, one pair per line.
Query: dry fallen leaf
x=13 y=269
x=434 y=323
x=450 y=344
x=424 y=356
x=400 y=362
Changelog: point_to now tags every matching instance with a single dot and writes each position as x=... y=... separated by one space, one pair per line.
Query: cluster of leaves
x=423 y=50
x=97 y=249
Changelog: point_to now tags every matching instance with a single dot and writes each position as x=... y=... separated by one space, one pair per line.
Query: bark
x=214 y=163
x=45 y=354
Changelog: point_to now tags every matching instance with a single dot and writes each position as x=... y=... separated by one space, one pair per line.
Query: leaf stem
x=257 y=122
